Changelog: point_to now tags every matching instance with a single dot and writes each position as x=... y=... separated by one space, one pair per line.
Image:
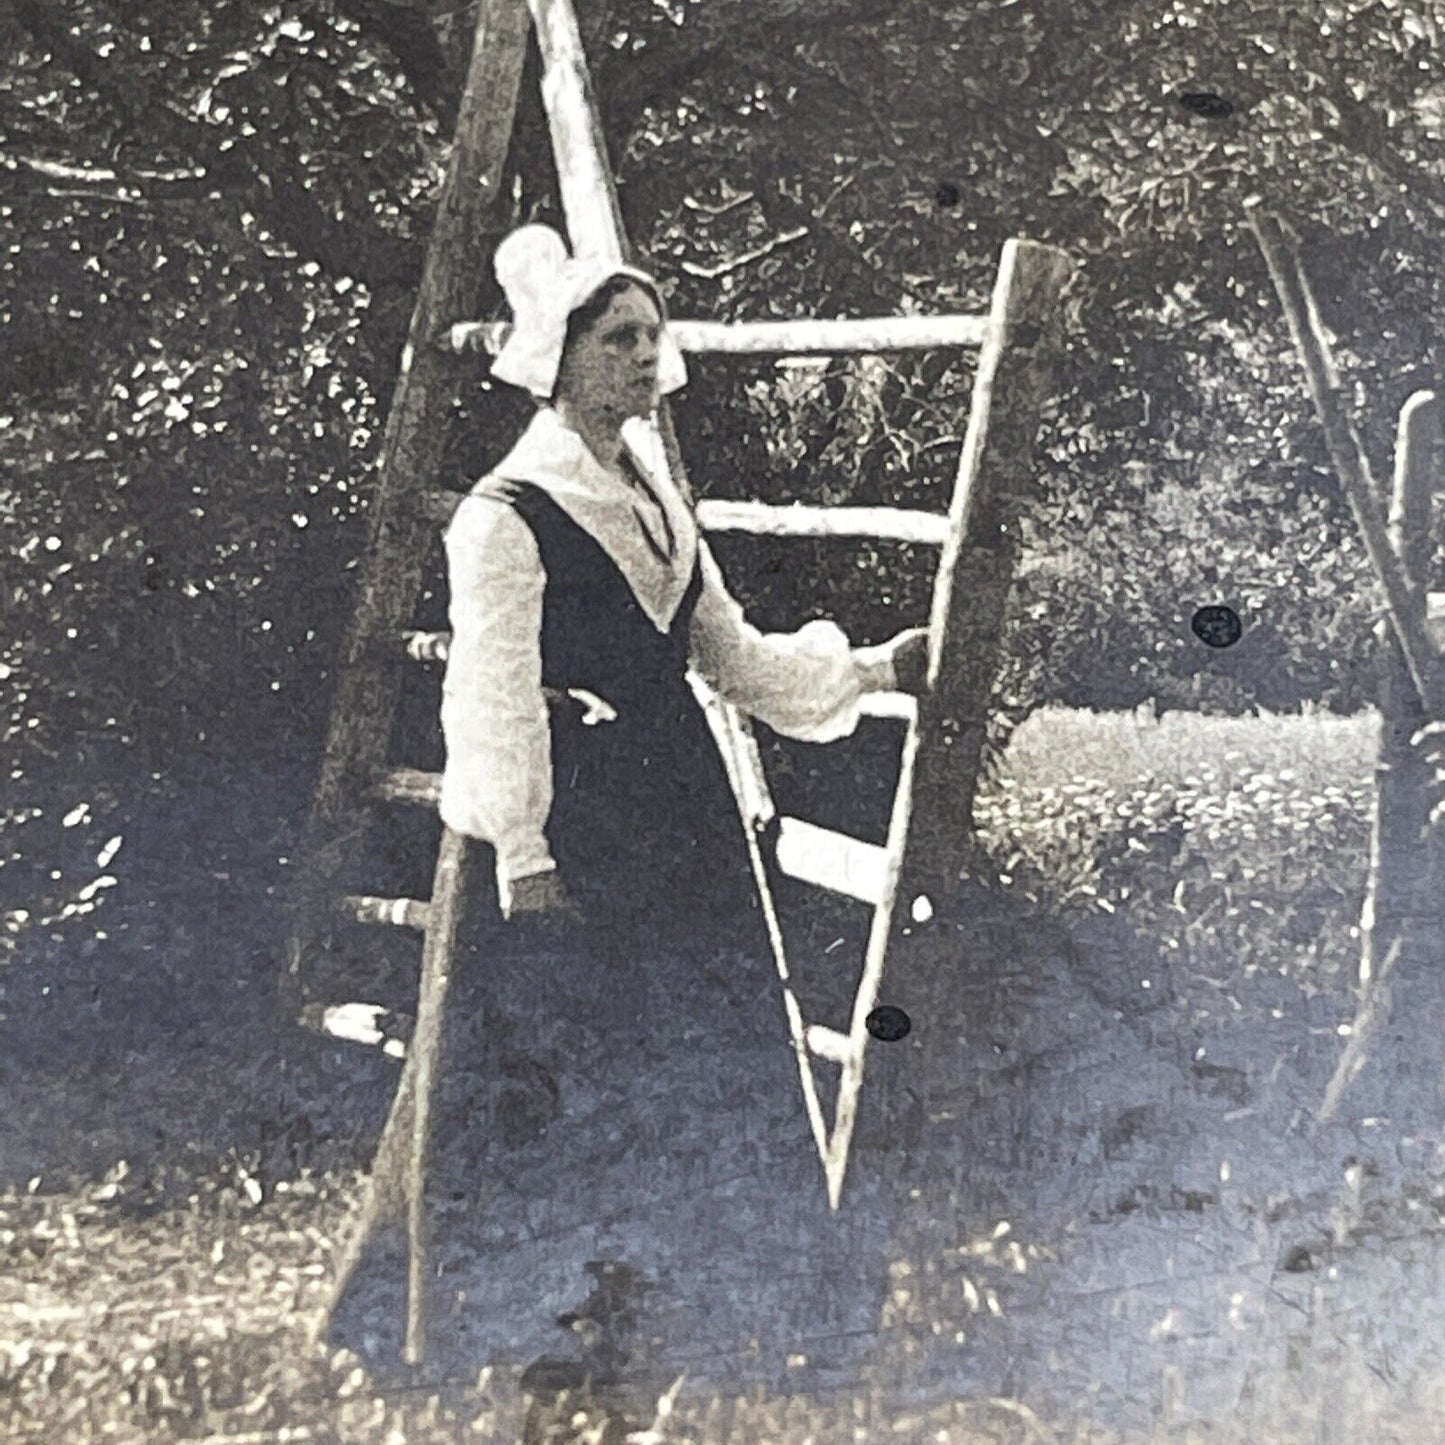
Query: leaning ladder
x=928 y=839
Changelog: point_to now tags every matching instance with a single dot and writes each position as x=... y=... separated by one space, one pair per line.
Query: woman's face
x=610 y=368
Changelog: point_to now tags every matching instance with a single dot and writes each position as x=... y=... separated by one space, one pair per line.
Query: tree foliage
x=216 y=212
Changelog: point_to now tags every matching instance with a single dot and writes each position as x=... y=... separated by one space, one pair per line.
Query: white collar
x=552 y=456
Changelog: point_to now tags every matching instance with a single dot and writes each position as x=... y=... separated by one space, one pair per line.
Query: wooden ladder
x=1019 y=342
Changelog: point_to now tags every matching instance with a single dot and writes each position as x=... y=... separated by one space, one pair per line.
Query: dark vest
x=595 y=634
x=642 y=815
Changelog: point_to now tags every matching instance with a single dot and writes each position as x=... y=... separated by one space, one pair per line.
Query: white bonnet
x=544 y=286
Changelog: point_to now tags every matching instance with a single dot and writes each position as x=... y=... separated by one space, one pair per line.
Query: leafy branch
x=289 y=209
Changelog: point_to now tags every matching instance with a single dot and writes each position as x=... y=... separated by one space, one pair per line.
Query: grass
x=162 y=1302
x=1243 y=840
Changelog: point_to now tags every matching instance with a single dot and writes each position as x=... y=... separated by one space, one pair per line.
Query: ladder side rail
x=1017 y=373
x=929 y=835
x=394 y=1188
x=584 y=178
x=757 y=813
x=1419 y=450
x=1399 y=862
x=865 y=999
x=470 y=214
x=455 y=878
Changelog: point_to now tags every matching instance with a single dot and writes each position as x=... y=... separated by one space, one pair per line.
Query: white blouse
x=497 y=782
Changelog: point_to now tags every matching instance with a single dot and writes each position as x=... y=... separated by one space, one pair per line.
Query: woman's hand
x=542 y=898
x=898 y=665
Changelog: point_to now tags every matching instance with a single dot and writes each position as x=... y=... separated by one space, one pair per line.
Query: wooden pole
x=1404 y=601
x=1017 y=373
x=396 y=1183
x=449 y=899
x=381 y=1197
x=1418 y=446
x=471 y=213
x=1400 y=857
x=930 y=833
x=584 y=178
x=588 y=192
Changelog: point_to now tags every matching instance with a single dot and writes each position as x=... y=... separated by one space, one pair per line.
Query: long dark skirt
x=648 y=842
x=646 y=831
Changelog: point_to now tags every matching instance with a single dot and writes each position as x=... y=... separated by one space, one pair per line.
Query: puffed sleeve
x=497 y=782
x=805 y=684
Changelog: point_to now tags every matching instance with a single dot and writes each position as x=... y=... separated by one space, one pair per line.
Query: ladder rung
x=832 y=860
x=398 y=912
x=900 y=705
x=807 y=337
x=434 y=647
x=829 y=1043
x=889 y=524
x=810 y=337
x=820 y=856
x=408 y=785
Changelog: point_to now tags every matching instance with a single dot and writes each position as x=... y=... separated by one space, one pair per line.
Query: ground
x=1098 y=1205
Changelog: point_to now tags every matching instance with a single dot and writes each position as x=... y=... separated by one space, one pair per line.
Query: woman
x=577 y=565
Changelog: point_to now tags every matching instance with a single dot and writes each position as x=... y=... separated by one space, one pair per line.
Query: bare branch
x=726 y=268
x=291 y=212
x=840 y=247
x=713 y=212
x=56 y=178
